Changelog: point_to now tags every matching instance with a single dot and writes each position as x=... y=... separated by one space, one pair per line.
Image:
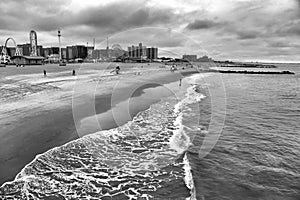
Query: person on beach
x=180 y=82
x=117 y=69
x=45 y=73
x=173 y=68
x=73 y=73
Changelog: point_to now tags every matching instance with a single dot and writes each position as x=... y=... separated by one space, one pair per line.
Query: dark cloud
x=259 y=25
x=201 y=24
x=115 y=16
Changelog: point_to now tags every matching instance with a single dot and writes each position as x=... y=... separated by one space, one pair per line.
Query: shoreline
x=46 y=130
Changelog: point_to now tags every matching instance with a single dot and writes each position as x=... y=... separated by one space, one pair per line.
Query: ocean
x=156 y=154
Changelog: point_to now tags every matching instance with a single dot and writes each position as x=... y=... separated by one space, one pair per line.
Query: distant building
x=76 y=52
x=152 y=53
x=140 y=51
x=204 y=59
x=96 y=54
x=27 y=60
x=63 y=53
x=80 y=51
x=109 y=54
x=137 y=51
x=69 y=52
x=53 y=58
x=47 y=52
x=40 y=50
x=54 y=50
x=25 y=49
x=190 y=58
x=90 y=52
x=50 y=51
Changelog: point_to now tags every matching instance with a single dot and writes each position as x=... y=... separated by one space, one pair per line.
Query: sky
x=240 y=30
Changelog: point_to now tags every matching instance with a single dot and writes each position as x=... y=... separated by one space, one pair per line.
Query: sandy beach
x=36 y=112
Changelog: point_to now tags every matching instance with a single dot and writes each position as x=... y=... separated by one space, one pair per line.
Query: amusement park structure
x=4 y=57
x=33 y=43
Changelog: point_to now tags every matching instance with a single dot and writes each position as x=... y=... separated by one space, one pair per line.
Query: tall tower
x=59 y=35
x=33 y=43
x=107 y=47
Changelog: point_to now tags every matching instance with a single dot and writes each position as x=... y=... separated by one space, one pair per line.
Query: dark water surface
x=258 y=154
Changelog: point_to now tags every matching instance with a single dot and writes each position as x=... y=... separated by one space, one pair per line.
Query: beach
x=138 y=135
x=40 y=117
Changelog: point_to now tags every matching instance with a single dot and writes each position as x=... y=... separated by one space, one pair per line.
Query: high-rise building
x=152 y=53
x=141 y=51
x=129 y=51
x=69 y=56
x=81 y=51
x=77 y=51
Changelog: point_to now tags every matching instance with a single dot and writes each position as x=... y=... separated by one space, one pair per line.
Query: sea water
x=155 y=156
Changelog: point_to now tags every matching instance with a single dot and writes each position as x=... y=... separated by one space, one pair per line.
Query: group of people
x=117 y=69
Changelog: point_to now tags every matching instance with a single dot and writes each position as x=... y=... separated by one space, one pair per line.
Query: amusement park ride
x=6 y=59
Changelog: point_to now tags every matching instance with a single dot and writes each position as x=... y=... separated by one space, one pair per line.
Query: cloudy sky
x=256 y=30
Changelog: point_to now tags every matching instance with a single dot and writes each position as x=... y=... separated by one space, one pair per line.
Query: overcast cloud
x=266 y=30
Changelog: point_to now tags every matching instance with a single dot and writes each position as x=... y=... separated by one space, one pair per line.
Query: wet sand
x=38 y=132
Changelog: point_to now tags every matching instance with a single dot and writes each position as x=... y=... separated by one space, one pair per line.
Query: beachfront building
x=48 y=51
x=142 y=52
x=25 y=49
x=137 y=51
x=76 y=52
x=152 y=53
x=190 y=58
x=205 y=59
x=109 y=54
x=28 y=60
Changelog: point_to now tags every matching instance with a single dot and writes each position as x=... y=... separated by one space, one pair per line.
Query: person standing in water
x=45 y=73
x=73 y=73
